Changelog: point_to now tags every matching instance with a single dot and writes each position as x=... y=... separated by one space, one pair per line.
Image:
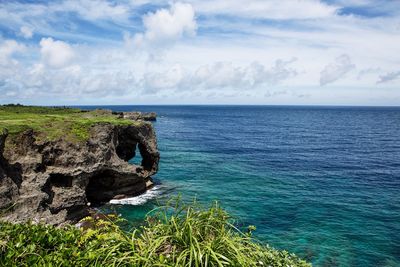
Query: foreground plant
x=174 y=235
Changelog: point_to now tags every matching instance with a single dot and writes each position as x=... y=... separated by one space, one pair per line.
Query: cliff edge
x=55 y=179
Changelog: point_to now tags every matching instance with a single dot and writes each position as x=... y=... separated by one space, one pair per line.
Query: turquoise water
x=322 y=182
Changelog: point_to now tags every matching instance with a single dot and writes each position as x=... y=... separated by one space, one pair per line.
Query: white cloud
x=26 y=32
x=7 y=49
x=63 y=73
x=336 y=70
x=10 y=68
x=225 y=74
x=53 y=18
x=71 y=82
x=94 y=9
x=218 y=76
x=233 y=55
x=272 y=9
x=388 y=77
x=276 y=93
x=104 y=83
x=166 y=25
x=155 y=81
x=367 y=72
x=56 y=53
x=279 y=72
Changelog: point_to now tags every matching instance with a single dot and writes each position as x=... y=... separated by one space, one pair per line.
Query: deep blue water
x=322 y=182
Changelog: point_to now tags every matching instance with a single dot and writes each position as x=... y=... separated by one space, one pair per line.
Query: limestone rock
x=145 y=116
x=54 y=181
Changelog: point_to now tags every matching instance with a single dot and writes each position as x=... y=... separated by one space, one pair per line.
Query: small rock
x=121 y=196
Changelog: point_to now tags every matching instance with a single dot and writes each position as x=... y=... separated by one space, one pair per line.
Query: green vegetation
x=54 y=123
x=171 y=236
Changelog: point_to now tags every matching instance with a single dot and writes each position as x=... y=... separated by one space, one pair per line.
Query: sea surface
x=322 y=182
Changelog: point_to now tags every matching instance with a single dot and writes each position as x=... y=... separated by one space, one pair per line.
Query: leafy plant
x=173 y=235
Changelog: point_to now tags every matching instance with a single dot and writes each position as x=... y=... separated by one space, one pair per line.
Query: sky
x=262 y=52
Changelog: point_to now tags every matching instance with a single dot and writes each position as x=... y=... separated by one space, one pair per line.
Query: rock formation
x=135 y=115
x=54 y=181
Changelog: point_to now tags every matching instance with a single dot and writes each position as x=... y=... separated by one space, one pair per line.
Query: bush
x=171 y=236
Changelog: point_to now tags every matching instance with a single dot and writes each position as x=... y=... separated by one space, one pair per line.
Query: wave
x=139 y=200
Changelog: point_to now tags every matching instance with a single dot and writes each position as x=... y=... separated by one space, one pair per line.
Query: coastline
x=309 y=211
x=53 y=172
x=71 y=176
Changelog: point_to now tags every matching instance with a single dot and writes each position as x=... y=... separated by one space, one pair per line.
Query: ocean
x=322 y=182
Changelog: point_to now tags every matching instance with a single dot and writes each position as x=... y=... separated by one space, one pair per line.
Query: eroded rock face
x=135 y=115
x=10 y=179
x=53 y=182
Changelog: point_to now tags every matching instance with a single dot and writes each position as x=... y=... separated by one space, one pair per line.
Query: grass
x=175 y=235
x=54 y=123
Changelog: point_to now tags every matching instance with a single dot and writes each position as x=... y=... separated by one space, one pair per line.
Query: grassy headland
x=53 y=123
x=172 y=236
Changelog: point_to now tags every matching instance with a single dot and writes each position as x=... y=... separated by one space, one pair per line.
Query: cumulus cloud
x=166 y=25
x=367 y=72
x=60 y=73
x=234 y=54
x=336 y=70
x=218 y=75
x=275 y=93
x=155 y=81
x=70 y=82
x=10 y=68
x=26 y=32
x=281 y=71
x=225 y=74
x=388 y=77
x=7 y=49
x=56 y=53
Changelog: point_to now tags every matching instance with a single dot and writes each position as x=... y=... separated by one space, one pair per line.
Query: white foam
x=139 y=200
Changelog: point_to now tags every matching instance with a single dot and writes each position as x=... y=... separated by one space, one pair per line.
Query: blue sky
x=303 y=52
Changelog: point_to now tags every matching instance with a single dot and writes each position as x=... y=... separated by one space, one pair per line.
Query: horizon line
x=221 y=105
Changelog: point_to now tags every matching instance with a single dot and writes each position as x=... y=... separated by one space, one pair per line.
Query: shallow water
x=322 y=182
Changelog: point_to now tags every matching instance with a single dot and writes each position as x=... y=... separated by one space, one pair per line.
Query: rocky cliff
x=58 y=181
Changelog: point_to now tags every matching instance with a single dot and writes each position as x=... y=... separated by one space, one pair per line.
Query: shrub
x=174 y=235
